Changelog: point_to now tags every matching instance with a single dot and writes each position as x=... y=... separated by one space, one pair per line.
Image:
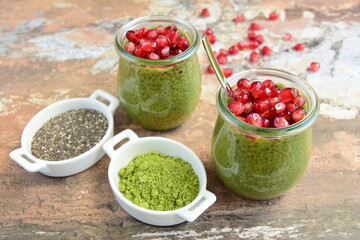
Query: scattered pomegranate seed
x=241 y=45
x=259 y=39
x=254 y=119
x=233 y=50
x=222 y=59
x=239 y=18
x=223 y=52
x=266 y=51
x=205 y=12
x=227 y=72
x=314 y=67
x=287 y=37
x=254 y=27
x=287 y=94
x=298 y=114
x=209 y=31
x=251 y=35
x=210 y=69
x=273 y=16
x=299 y=100
x=236 y=107
x=253 y=45
x=280 y=122
x=254 y=57
x=243 y=83
x=212 y=39
x=299 y=47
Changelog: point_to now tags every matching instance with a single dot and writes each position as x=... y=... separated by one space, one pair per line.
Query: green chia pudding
x=259 y=168
x=159 y=98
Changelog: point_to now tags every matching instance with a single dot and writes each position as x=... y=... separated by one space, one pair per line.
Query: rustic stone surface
x=54 y=50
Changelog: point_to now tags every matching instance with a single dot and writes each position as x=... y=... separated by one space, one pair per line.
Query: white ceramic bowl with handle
x=62 y=168
x=121 y=156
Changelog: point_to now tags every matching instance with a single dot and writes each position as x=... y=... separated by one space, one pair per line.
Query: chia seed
x=69 y=134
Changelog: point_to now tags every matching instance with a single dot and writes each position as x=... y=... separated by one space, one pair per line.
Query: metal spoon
x=214 y=63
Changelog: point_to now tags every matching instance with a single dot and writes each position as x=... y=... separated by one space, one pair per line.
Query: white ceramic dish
x=67 y=167
x=134 y=146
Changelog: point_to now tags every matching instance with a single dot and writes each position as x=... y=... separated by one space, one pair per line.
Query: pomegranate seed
x=239 y=18
x=266 y=51
x=237 y=92
x=269 y=114
x=251 y=35
x=152 y=35
x=205 y=12
x=148 y=46
x=243 y=97
x=291 y=106
x=299 y=47
x=287 y=94
x=255 y=86
x=139 y=52
x=254 y=119
x=280 y=122
x=165 y=51
x=175 y=51
x=254 y=27
x=275 y=92
x=254 y=57
x=161 y=41
x=223 y=52
x=266 y=122
x=142 y=32
x=298 y=114
x=222 y=59
x=279 y=107
x=287 y=37
x=210 y=69
x=183 y=43
x=227 y=72
x=273 y=16
x=160 y=30
x=169 y=31
x=261 y=105
x=285 y=114
x=236 y=107
x=253 y=45
x=130 y=46
x=299 y=100
x=269 y=84
x=174 y=37
x=244 y=84
x=216 y=54
x=259 y=39
x=153 y=56
x=233 y=50
x=212 y=39
x=209 y=31
x=248 y=107
x=264 y=92
x=273 y=101
x=314 y=67
x=132 y=36
x=241 y=45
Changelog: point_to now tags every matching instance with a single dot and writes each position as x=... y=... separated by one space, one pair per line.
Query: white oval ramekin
x=121 y=156
x=62 y=168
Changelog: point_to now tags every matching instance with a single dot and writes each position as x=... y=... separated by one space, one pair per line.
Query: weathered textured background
x=53 y=50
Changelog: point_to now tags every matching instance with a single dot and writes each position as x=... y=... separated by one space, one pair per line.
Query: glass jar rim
x=157 y=18
x=306 y=89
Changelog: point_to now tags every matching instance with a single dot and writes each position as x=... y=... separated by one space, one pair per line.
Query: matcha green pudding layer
x=258 y=162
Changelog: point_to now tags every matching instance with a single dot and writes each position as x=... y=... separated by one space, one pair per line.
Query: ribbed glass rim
x=138 y=22
x=305 y=89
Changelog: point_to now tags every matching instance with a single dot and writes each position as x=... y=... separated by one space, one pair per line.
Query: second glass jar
x=159 y=94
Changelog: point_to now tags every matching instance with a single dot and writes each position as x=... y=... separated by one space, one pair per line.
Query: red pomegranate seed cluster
x=158 y=43
x=264 y=104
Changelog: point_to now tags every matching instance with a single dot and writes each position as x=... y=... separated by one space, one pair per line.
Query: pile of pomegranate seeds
x=157 y=43
x=264 y=104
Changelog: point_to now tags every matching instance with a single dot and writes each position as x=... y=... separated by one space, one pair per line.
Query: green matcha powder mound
x=159 y=182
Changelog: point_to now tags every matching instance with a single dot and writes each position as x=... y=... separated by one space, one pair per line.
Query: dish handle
x=110 y=144
x=20 y=157
x=113 y=101
x=194 y=212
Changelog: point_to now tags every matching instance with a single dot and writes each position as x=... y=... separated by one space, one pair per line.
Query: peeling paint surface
x=55 y=50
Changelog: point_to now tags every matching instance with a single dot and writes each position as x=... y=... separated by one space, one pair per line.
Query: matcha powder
x=159 y=182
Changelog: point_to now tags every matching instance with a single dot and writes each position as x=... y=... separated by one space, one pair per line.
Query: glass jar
x=159 y=94
x=262 y=163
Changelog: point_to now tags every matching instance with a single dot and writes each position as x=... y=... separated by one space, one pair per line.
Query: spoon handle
x=218 y=72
